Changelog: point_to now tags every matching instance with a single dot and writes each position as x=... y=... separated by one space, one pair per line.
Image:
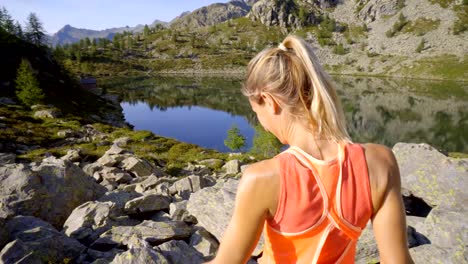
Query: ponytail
x=293 y=73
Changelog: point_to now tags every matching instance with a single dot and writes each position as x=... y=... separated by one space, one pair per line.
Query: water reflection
x=384 y=111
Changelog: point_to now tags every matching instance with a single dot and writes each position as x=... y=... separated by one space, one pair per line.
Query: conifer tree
x=34 y=30
x=234 y=140
x=27 y=86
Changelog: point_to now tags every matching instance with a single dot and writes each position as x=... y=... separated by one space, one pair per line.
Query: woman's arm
x=251 y=209
x=389 y=220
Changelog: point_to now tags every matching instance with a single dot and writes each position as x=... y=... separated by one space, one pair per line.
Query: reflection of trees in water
x=385 y=111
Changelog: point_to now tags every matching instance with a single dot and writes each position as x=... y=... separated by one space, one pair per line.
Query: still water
x=385 y=111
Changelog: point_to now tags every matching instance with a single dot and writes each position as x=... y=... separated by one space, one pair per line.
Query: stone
x=123 y=141
x=110 y=160
x=140 y=255
x=49 y=191
x=66 y=133
x=184 y=187
x=232 y=167
x=434 y=254
x=103 y=256
x=41 y=239
x=178 y=212
x=213 y=207
x=91 y=168
x=177 y=251
x=152 y=232
x=147 y=203
x=113 y=174
x=48 y=113
x=137 y=166
x=212 y=163
x=432 y=176
x=7 y=158
x=72 y=155
x=17 y=252
x=4 y=236
x=120 y=198
x=204 y=242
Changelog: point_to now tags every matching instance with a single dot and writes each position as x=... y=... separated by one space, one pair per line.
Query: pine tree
x=146 y=31
x=234 y=140
x=27 y=86
x=19 y=30
x=265 y=144
x=34 y=30
x=6 y=22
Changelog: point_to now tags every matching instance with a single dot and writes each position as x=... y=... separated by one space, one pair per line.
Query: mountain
x=69 y=34
x=213 y=14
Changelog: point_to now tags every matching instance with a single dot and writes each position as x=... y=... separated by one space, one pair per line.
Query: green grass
x=443 y=3
x=421 y=26
x=461 y=24
x=447 y=67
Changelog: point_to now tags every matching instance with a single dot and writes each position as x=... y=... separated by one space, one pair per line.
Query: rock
x=140 y=255
x=110 y=160
x=433 y=254
x=48 y=113
x=50 y=191
x=147 y=203
x=123 y=141
x=212 y=163
x=112 y=174
x=446 y=228
x=232 y=167
x=72 y=155
x=91 y=168
x=244 y=167
x=177 y=251
x=137 y=166
x=184 y=187
x=67 y=133
x=41 y=239
x=204 y=242
x=213 y=207
x=103 y=256
x=152 y=232
x=4 y=236
x=7 y=101
x=375 y=9
x=178 y=212
x=431 y=176
x=366 y=249
x=116 y=149
x=17 y=252
x=7 y=158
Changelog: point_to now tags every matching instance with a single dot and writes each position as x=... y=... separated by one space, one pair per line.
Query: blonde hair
x=292 y=73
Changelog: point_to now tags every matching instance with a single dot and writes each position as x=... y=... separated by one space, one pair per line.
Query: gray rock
x=48 y=113
x=152 y=232
x=375 y=9
x=120 y=198
x=204 y=242
x=433 y=254
x=18 y=252
x=147 y=203
x=184 y=187
x=42 y=240
x=366 y=249
x=4 y=235
x=232 y=167
x=113 y=174
x=178 y=212
x=103 y=256
x=431 y=176
x=446 y=228
x=123 y=141
x=72 y=155
x=91 y=168
x=66 y=133
x=179 y=252
x=50 y=191
x=7 y=101
x=7 y=158
x=139 y=256
x=110 y=160
x=213 y=207
x=138 y=166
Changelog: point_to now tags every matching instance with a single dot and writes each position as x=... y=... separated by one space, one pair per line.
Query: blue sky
x=100 y=14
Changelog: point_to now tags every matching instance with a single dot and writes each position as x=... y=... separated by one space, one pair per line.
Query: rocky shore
x=124 y=209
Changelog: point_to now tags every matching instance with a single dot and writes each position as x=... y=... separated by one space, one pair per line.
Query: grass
x=448 y=67
x=461 y=24
x=443 y=3
x=421 y=26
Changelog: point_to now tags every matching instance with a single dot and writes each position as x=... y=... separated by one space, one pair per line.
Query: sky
x=100 y=14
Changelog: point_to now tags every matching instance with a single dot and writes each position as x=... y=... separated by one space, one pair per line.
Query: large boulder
x=147 y=203
x=152 y=232
x=49 y=191
x=213 y=207
x=375 y=9
x=38 y=240
x=140 y=255
x=184 y=187
x=432 y=176
x=177 y=251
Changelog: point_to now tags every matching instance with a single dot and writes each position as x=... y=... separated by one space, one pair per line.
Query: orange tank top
x=322 y=208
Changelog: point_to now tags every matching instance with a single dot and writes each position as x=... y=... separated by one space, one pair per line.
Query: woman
x=313 y=200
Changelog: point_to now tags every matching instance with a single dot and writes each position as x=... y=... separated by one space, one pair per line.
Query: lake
x=385 y=111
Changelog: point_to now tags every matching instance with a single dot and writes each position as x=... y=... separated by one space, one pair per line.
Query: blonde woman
x=313 y=200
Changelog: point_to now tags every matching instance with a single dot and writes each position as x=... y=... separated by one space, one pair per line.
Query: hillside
x=419 y=38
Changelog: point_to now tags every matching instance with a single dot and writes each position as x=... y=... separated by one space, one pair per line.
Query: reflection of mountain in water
x=166 y=92
x=384 y=111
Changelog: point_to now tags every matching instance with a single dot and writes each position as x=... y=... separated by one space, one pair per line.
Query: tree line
x=33 y=32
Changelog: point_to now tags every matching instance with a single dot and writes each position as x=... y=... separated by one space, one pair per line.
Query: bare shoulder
x=383 y=171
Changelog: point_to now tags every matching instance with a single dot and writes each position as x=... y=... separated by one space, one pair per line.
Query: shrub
x=339 y=49
x=265 y=144
x=27 y=86
x=234 y=140
x=420 y=47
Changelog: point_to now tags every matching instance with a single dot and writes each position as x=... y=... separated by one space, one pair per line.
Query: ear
x=271 y=102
